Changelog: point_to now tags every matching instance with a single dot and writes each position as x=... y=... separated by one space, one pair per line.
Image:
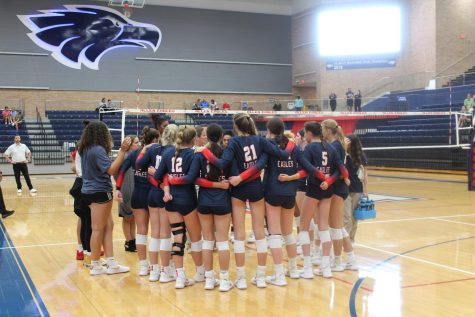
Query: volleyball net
x=416 y=140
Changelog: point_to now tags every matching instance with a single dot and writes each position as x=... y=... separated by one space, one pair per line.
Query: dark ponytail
x=276 y=127
x=214 y=134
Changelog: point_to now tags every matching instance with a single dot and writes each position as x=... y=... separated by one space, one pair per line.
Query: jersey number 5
x=324 y=158
x=176 y=165
x=250 y=153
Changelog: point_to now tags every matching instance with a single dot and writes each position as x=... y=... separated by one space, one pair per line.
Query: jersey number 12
x=176 y=165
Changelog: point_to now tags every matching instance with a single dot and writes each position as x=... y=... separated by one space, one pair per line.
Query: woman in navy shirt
x=151 y=156
x=139 y=198
x=181 y=205
x=333 y=134
x=94 y=147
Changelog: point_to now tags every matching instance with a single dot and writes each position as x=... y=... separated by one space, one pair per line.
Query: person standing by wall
x=358 y=101
x=3 y=210
x=332 y=98
x=349 y=99
x=19 y=155
x=298 y=104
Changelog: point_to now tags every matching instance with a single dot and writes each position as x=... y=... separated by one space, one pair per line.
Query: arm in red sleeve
x=343 y=171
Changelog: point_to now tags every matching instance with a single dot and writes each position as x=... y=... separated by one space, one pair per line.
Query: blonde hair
x=289 y=135
x=169 y=135
x=244 y=123
x=186 y=135
x=336 y=130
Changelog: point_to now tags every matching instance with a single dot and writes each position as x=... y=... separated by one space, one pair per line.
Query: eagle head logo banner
x=82 y=34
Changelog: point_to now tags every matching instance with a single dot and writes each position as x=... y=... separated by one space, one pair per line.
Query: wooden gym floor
x=416 y=259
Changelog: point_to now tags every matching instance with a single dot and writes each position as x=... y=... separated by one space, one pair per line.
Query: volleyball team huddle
x=281 y=178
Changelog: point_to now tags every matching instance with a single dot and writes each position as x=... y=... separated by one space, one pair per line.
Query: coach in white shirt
x=19 y=155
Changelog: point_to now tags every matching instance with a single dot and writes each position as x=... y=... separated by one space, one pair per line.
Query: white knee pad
x=304 y=238
x=208 y=245
x=197 y=246
x=344 y=233
x=312 y=225
x=335 y=234
x=289 y=239
x=297 y=221
x=239 y=246
x=222 y=245
x=325 y=236
x=275 y=241
x=165 y=244
x=261 y=246
x=154 y=245
x=141 y=239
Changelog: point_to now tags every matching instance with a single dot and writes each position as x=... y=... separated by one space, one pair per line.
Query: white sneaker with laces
x=210 y=281
x=154 y=275
x=326 y=272
x=33 y=191
x=144 y=270
x=99 y=270
x=306 y=273
x=182 y=282
x=277 y=280
x=19 y=192
x=351 y=265
x=241 y=282
x=225 y=285
x=259 y=281
x=167 y=275
x=117 y=269
x=293 y=273
x=199 y=277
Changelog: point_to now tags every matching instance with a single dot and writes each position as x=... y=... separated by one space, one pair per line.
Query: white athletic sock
x=279 y=269
x=180 y=271
x=224 y=275
x=200 y=269
x=80 y=249
x=241 y=271
x=143 y=263
x=155 y=267
x=351 y=255
x=95 y=264
x=337 y=259
x=325 y=261
x=293 y=263
x=261 y=270
x=307 y=261
x=112 y=262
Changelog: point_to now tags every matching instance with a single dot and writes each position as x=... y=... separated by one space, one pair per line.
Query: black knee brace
x=177 y=229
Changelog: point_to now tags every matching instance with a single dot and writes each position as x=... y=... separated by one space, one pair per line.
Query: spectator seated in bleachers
x=226 y=106
x=213 y=105
x=7 y=116
x=197 y=105
x=204 y=104
x=277 y=106
x=465 y=120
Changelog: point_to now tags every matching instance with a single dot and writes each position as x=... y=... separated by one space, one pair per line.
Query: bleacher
x=225 y=121
x=68 y=125
x=415 y=131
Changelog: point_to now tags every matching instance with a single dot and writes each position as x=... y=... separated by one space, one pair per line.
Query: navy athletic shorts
x=314 y=191
x=155 y=198
x=140 y=198
x=287 y=202
x=253 y=191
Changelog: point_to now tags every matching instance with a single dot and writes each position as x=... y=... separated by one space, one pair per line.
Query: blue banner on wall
x=361 y=63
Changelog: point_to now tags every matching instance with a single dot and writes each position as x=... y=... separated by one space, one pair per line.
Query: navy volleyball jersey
x=340 y=187
x=178 y=166
x=302 y=187
x=152 y=157
x=140 y=175
x=207 y=196
x=323 y=158
x=250 y=152
x=276 y=166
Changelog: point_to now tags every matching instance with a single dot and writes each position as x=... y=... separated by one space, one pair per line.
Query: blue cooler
x=365 y=209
